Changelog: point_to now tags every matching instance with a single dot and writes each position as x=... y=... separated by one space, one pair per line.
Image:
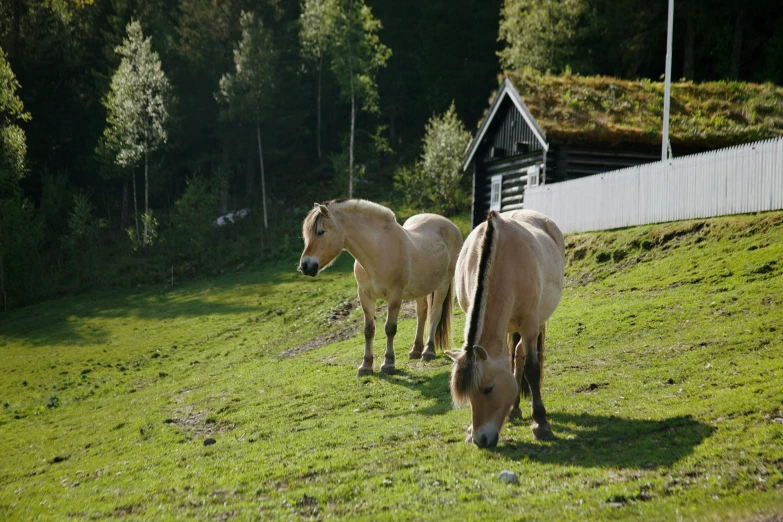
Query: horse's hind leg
x=368 y=307
x=391 y=331
x=421 y=319
x=517 y=354
x=533 y=360
x=436 y=310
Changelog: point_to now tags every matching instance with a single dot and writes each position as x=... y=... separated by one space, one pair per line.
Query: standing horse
x=509 y=281
x=392 y=262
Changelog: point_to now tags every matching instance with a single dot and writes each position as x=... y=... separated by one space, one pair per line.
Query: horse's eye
x=488 y=390
x=321 y=232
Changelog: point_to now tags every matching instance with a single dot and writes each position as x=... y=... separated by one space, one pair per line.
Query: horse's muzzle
x=309 y=267
x=484 y=441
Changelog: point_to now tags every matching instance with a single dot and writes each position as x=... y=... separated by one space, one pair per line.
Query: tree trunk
x=146 y=193
x=318 y=126
x=225 y=183
x=261 y=162
x=124 y=206
x=736 y=49
x=392 y=123
x=250 y=182
x=350 y=148
x=353 y=123
x=136 y=210
x=12 y=42
x=688 y=64
x=2 y=273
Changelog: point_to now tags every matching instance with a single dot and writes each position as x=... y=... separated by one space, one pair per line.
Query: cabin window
x=532 y=176
x=496 y=192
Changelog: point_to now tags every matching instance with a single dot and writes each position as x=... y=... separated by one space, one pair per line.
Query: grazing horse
x=392 y=262
x=509 y=280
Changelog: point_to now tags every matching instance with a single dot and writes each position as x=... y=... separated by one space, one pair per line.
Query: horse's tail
x=540 y=346
x=443 y=331
x=512 y=340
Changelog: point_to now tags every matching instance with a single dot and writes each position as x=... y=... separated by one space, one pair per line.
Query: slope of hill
x=663 y=384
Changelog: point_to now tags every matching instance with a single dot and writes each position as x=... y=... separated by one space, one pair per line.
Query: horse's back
x=432 y=222
x=424 y=228
x=529 y=263
x=544 y=259
x=433 y=245
x=537 y=221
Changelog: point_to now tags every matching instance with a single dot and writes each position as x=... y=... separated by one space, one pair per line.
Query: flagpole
x=667 y=83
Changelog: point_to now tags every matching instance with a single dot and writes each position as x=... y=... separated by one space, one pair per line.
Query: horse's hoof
x=363 y=372
x=428 y=356
x=542 y=431
x=388 y=369
x=414 y=355
x=515 y=414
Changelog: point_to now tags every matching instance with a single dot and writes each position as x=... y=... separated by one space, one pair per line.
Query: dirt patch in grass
x=197 y=423
x=322 y=340
x=407 y=311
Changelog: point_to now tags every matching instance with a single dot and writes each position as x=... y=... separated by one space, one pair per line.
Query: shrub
x=436 y=177
x=190 y=233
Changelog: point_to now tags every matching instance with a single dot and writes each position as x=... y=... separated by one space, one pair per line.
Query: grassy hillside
x=663 y=384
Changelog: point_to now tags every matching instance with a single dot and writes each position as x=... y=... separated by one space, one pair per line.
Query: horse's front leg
x=368 y=307
x=391 y=330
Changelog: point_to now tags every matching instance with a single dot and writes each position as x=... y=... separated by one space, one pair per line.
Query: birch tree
x=247 y=92
x=137 y=115
x=316 y=27
x=346 y=32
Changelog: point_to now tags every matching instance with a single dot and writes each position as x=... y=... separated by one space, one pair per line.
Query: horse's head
x=324 y=240
x=490 y=388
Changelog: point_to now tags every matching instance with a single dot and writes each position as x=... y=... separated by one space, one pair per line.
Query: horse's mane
x=466 y=375
x=313 y=219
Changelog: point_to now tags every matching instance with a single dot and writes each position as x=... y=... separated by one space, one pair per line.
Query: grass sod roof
x=572 y=108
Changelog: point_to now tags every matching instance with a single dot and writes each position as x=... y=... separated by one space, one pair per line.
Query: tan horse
x=394 y=263
x=509 y=280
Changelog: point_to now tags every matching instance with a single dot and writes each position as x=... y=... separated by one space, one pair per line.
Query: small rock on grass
x=508 y=477
x=209 y=441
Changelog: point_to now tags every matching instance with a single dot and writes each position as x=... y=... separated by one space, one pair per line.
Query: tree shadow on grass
x=608 y=441
x=63 y=321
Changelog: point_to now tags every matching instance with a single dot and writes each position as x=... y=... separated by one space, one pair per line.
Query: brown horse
x=394 y=263
x=509 y=280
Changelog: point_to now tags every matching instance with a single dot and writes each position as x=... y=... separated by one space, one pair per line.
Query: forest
x=127 y=127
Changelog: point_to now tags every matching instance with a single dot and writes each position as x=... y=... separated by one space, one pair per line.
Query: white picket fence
x=736 y=180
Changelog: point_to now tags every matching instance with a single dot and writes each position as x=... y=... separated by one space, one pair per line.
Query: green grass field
x=663 y=381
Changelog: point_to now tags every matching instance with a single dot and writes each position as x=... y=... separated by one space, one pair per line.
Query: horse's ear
x=451 y=355
x=323 y=209
x=480 y=352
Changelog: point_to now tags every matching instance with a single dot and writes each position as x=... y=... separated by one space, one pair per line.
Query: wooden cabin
x=511 y=152
x=569 y=127
x=507 y=154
